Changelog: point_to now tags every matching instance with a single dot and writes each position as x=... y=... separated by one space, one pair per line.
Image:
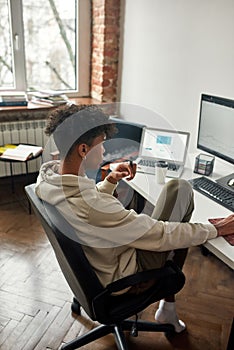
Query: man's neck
x=71 y=166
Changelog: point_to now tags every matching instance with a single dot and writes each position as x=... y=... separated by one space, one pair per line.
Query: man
x=116 y=241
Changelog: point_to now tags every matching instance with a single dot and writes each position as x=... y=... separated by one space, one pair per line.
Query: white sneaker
x=163 y=315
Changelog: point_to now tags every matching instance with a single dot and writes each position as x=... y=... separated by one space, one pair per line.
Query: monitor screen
x=216 y=127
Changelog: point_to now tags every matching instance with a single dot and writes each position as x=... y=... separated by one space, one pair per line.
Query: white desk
x=205 y=208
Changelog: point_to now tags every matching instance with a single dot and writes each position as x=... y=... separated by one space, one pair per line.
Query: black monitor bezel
x=221 y=101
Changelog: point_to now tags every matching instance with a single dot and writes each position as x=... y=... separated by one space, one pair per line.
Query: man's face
x=94 y=156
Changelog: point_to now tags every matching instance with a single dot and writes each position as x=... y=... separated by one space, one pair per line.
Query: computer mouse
x=231 y=183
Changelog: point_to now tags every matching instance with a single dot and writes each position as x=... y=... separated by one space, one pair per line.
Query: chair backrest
x=79 y=274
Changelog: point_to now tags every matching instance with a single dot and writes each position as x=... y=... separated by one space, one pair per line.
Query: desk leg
x=204 y=250
x=27 y=177
x=12 y=178
x=231 y=337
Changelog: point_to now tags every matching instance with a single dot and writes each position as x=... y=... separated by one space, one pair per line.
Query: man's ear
x=82 y=150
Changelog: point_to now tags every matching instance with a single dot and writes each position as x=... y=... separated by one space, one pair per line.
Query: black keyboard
x=214 y=191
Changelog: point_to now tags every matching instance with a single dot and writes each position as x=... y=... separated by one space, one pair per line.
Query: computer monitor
x=216 y=129
x=125 y=142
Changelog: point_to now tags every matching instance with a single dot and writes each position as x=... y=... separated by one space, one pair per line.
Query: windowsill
x=33 y=106
x=34 y=111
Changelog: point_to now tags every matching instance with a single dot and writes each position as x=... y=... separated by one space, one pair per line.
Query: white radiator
x=31 y=132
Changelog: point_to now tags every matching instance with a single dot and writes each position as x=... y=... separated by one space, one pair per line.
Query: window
x=41 y=44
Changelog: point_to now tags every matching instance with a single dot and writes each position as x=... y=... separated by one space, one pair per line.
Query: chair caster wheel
x=75 y=307
x=170 y=334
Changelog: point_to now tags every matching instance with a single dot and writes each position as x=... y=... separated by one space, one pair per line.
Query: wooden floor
x=35 y=300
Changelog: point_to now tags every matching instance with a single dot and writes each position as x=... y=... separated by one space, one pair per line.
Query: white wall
x=173 y=50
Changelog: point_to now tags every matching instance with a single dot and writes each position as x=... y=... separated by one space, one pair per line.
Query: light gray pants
x=176 y=204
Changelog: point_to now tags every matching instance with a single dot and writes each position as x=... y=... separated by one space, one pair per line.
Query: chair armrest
x=164 y=272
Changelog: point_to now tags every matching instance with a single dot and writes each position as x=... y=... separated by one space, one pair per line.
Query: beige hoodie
x=109 y=233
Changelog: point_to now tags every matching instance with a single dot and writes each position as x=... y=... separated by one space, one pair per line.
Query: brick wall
x=105 y=49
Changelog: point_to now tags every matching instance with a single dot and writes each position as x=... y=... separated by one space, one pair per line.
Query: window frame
x=83 y=48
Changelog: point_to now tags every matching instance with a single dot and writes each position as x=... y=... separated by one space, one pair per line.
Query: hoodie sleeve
x=126 y=227
x=106 y=187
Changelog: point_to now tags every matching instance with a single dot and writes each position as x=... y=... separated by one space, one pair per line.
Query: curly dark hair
x=73 y=124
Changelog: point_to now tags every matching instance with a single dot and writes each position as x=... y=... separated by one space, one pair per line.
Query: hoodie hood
x=55 y=188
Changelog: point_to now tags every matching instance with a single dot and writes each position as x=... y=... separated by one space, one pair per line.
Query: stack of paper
x=13 y=98
x=50 y=98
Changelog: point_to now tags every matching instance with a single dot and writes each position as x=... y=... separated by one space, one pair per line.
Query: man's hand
x=126 y=169
x=224 y=226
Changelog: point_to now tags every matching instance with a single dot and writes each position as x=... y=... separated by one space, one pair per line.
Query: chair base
x=118 y=331
x=76 y=307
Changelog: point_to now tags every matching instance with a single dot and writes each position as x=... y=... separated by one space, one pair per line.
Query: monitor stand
x=223 y=181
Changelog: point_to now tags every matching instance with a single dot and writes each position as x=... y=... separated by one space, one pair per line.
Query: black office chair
x=113 y=312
